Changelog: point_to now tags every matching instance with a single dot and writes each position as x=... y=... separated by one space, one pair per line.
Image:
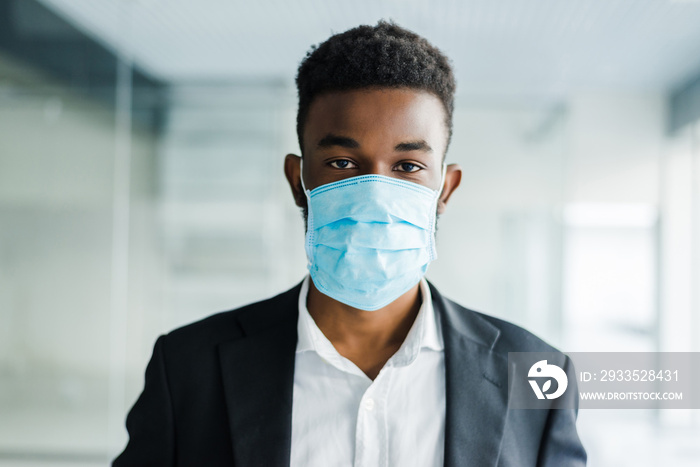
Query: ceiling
x=499 y=47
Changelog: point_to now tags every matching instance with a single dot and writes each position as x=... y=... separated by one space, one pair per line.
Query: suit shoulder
x=226 y=325
x=514 y=338
x=511 y=337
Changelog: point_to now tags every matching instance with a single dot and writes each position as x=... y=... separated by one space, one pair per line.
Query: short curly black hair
x=385 y=55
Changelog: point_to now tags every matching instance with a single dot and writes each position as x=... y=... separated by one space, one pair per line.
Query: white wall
x=56 y=169
x=504 y=238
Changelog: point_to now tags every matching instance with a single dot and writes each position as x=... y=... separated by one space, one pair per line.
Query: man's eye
x=408 y=167
x=341 y=164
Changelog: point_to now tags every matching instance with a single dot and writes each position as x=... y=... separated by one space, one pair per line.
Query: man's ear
x=292 y=170
x=453 y=177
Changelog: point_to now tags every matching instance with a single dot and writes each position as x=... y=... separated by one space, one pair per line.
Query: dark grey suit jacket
x=219 y=393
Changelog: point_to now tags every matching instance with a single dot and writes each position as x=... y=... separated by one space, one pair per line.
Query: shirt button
x=369 y=404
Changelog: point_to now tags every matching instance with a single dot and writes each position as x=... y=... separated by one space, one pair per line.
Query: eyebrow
x=344 y=142
x=334 y=140
x=413 y=146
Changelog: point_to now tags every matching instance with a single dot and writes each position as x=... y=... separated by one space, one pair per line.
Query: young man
x=364 y=363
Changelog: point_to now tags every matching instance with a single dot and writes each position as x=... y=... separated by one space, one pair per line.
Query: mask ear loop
x=438 y=193
x=308 y=240
x=442 y=179
x=301 y=177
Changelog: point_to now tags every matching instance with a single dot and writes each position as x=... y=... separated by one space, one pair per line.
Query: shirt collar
x=424 y=333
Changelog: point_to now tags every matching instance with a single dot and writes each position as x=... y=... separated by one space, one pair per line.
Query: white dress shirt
x=340 y=417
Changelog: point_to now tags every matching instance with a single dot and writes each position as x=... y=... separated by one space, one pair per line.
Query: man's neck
x=366 y=338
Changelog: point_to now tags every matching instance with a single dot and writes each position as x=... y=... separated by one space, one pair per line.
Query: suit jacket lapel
x=258 y=378
x=476 y=387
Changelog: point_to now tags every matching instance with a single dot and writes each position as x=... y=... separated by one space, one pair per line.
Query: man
x=364 y=363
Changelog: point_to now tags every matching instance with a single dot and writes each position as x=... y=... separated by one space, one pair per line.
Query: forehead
x=378 y=115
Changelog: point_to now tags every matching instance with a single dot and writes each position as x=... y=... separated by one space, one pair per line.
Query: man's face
x=398 y=133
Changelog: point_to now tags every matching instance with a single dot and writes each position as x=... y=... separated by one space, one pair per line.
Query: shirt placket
x=371 y=436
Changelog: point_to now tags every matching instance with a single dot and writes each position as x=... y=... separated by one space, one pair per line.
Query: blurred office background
x=141 y=188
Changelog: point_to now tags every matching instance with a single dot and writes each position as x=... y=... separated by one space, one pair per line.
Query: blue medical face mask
x=370 y=238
